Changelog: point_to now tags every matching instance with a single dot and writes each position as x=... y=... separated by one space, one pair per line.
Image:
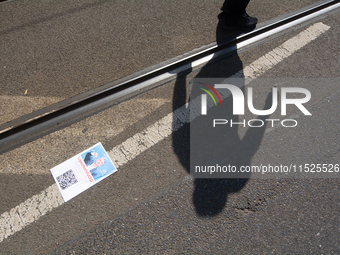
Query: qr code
x=67 y=179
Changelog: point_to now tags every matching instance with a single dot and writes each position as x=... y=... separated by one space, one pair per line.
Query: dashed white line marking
x=38 y=205
x=135 y=110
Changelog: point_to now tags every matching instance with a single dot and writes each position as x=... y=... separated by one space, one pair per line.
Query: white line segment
x=38 y=205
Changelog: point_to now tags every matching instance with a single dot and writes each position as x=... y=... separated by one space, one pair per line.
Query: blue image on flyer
x=97 y=162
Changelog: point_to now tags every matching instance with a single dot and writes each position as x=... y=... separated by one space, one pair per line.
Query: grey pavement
x=53 y=50
x=152 y=205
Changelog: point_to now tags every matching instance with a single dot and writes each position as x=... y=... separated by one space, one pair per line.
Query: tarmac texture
x=152 y=205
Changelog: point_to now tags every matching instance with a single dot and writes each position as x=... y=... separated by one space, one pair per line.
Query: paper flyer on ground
x=82 y=171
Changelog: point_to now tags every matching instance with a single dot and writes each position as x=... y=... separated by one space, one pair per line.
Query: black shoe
x=245 y=22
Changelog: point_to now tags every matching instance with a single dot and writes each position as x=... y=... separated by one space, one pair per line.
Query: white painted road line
x=38 y=205
x=136 y=110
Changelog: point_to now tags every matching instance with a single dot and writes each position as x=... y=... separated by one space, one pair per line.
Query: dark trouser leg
x=234 y=16
x=235 y=8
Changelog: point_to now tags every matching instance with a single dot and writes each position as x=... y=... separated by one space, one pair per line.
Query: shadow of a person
x=210 y=194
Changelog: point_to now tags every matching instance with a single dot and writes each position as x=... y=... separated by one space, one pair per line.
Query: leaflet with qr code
x=82 y=171
x=67 y=179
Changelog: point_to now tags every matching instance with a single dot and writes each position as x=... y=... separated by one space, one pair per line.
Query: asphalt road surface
x=152 y=204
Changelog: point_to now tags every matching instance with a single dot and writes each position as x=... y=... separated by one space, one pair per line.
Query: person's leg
x=235 y=8
x=234 y=16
